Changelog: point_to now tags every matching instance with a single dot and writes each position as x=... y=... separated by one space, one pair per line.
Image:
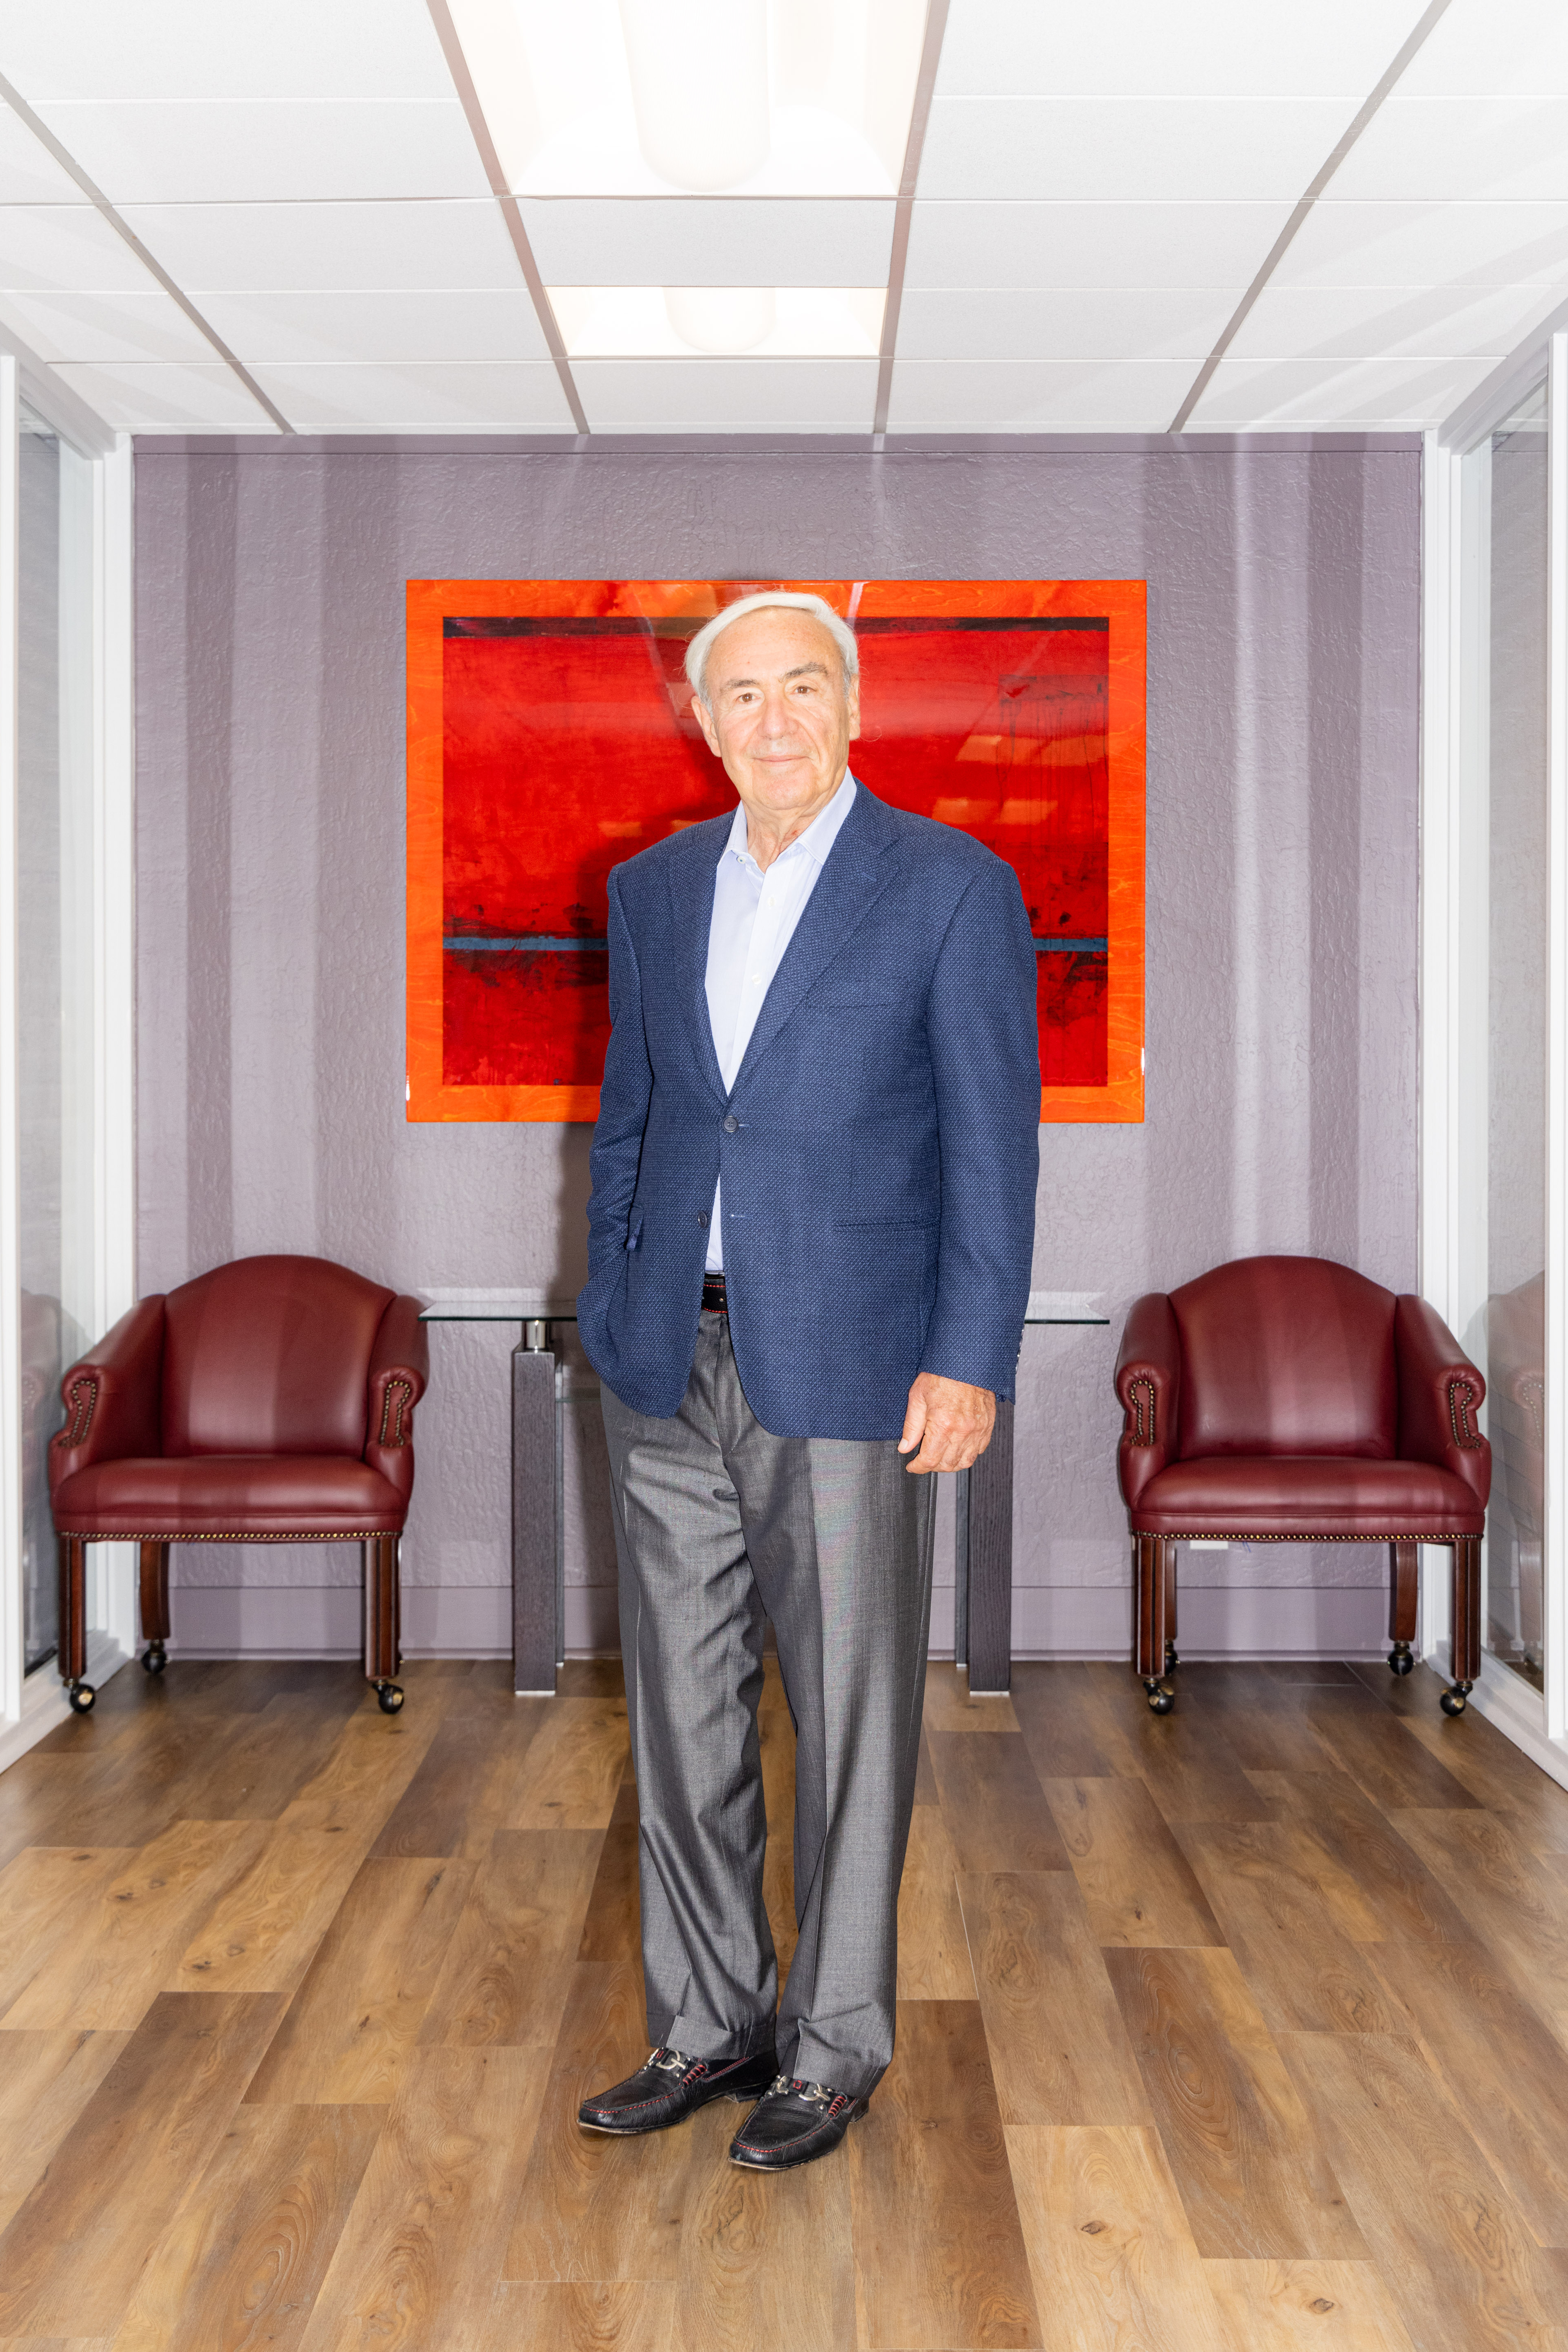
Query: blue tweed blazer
x=880 y=1148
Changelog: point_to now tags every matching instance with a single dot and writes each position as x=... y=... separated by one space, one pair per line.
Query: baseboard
x=1214 y=1622
x=44 y=1700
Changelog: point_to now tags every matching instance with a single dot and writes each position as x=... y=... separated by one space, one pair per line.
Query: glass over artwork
x=551 y=736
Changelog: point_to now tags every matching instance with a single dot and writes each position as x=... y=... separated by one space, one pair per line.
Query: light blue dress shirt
x=754 y=918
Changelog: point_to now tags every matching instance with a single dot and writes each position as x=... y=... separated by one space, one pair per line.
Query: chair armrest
x=399 y=1374
x=113 y=1396
x=1149 y=1384
x=1440 y=1393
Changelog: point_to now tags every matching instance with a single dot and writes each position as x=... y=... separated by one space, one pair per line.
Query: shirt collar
x=818 y=838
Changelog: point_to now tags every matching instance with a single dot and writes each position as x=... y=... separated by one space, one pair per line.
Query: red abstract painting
x=551 y=735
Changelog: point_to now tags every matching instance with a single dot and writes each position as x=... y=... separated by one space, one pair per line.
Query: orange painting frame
x=1122 y=602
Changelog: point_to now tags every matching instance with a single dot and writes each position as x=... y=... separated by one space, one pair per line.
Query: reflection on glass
x=1515 y=1058
x=55 y=963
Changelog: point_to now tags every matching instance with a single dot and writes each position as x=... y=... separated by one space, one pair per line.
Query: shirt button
x=731 y=1124
x=702 y=1216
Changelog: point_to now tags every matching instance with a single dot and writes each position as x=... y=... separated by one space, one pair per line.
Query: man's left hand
x=950 y=1420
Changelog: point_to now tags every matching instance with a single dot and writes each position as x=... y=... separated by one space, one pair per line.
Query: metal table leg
x=988 y=1551
x=537 y=1556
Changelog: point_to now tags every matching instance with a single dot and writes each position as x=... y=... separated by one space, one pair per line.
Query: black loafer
x=669 y=2087
x=794 y=2123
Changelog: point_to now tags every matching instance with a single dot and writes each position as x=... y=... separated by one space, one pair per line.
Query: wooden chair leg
x=73 y=1622
x=154 y=1606
x=1154 y=1577
x=1467 y=1623
x=1404 y=1561
x=381 y=1616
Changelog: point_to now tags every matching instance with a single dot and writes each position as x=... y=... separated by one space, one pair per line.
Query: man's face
x=778 y=715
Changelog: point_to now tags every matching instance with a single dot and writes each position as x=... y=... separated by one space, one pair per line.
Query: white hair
x=771 y=599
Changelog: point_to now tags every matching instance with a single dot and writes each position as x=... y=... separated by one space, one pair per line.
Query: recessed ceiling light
x=756 y=321
x=608 y=98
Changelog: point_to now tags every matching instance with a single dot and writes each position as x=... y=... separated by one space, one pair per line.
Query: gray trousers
x=719 y=1525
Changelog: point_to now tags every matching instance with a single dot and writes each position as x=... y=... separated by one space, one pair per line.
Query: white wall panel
x=1366 y=322
x=49 y=247
x=153 y=154
x=1446 y=148
x=1153 y=150
x=247 y=247
x=1001 y=396
x=720 y=395
x=28 y=172
x=351 y=325
x=468 y=396
x=1378 y=394
x=155 y=398
x=581 y=241
x=1478 y=48
x=1023 y=325
x=1355 y=244
x=1128 y=48
x=105 y=327
x=1100 y=246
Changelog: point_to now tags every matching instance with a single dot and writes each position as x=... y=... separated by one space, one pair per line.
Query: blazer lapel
x=857 y=871
x=691 y=885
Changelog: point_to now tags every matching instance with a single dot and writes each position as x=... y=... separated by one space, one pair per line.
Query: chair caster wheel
x=154 y=1658
x=1160 y=1702
x=1172 y=1661
x=1400 y=1660
x=389 y=1696
x=1452 y=1702
x=81 y=1697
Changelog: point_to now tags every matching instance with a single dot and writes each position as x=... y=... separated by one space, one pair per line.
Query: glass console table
x=984 y=1535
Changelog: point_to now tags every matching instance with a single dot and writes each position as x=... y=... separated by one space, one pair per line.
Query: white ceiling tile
x=247 y=248
x=1444 y=149
x=106 y=327
x=709 y=241
x=1411 y=245
x=1158 y=149
x=1335 y=394
x=51 y=245
x=1091 y=245
x=1368 y=322
x=376 y=327
x=1478 y=48
x=1152 y=325
x=523 y=396
x=727 y=322
x=160 y=398
x=1004 y=396
x=28 y=172
x=728 y=395
x=151 y=155
x=1130 y=47
x=174 y=49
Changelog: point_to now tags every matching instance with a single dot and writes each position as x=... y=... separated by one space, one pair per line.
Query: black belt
x=714 y=1299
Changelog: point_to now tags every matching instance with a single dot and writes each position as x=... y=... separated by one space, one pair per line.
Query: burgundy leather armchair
x=1288 y=1400
x=270 y=1400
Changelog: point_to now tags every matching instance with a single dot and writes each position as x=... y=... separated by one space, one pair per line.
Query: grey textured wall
x=1282 y=937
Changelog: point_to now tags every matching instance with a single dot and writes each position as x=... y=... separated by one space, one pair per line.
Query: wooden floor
x=1240 y=2031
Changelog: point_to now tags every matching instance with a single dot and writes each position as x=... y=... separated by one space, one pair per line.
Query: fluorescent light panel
x=681 y=322
x=803 y=98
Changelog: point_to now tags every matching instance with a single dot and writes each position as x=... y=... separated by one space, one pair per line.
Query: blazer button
x=731 y=1124
x=702 y=1216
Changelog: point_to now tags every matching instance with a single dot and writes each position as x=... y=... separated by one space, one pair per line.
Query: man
x=809 y=1251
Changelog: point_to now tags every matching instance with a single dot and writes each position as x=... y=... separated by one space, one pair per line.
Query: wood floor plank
x=417 y=2260
x=122 y=1943
x=261 y=1934
x=1380 y=1751
x=611 y=1922
x=508 y=1965
x=1136 y=1881
x=933 y=1951
x=1290 y=1915
x=757 y=2267
x=1059 y=2051
x=587 y=1678
x=595 y=2315
x=1114 y=2264
x=1312 y=2307
x=940 y=2253
x=777 y=1738
x=351 y=2028
x=44 y=1892
x=1249 y=2167
x=571 y=1773
x=1069 y=1732
x=1450 y=2241
x=242 y=2262
x=265 y=1760
x=371 y=1763
x=1511 y=1898
x=35 y=1792
x=594 y=2207
x=1499 y=1776
x=1508 y=2070
x=926 y=1791
x=1396 y=1886
x=74 y=2249
x=46 y=2079
x=992 y=1802
x=1193 y=1772
x=466 y=1784
x=949 y=1706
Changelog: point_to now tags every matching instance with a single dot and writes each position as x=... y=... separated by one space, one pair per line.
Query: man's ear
x=704 y=720
x=854 y=698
